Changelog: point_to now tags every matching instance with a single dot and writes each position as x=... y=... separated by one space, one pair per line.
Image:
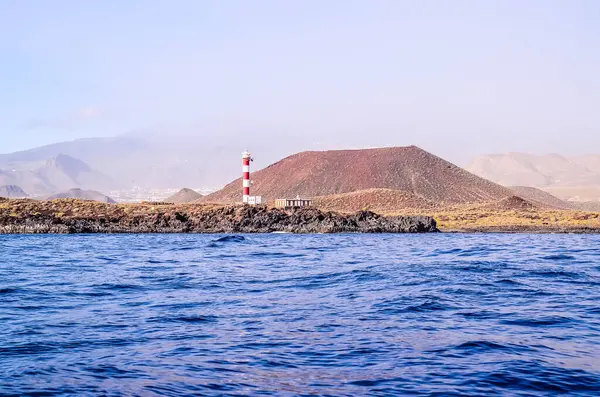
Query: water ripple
x=289 y=315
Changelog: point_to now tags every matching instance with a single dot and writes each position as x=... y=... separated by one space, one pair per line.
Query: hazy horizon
x=311 y=146
x=457 y=79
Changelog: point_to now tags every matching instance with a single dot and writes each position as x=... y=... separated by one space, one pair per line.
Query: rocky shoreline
x=78 y=216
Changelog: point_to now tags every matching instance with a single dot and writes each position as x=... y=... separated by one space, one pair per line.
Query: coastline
x=71 y=216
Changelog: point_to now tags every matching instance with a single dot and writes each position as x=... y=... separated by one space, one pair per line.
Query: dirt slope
x=381 y=201
x=409 y=169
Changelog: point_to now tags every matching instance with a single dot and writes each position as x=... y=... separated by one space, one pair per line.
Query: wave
x=559 y=257
x=226 y=240
x=539 y=322
x=230 y=239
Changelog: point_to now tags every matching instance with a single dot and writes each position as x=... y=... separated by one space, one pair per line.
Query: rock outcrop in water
x=77 y=216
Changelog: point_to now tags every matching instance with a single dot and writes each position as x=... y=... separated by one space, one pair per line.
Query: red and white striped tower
x=246 y=158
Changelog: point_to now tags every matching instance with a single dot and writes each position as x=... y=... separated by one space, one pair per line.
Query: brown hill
x=381 y=201
x=184 y=196
x=409 y=169
x=541 y=198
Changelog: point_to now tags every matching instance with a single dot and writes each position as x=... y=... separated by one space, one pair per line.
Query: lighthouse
x=246 y=158
x=246 y=198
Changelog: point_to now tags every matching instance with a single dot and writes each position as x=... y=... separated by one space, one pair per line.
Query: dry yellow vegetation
x=537 y=220
x=534 y=220
x=509 y=214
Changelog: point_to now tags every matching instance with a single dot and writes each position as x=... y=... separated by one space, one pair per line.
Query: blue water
x=287 y=315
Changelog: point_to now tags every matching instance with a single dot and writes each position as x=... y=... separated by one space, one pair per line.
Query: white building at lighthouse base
x=254 y=200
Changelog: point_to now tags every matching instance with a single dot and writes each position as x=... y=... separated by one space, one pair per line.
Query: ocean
x=300 y=315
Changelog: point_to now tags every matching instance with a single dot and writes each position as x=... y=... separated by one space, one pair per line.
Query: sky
x=458 y=78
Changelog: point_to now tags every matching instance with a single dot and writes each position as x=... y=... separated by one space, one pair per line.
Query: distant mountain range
x=53 y=175
x=12 y=191
x=134 y=160
x=569 y=178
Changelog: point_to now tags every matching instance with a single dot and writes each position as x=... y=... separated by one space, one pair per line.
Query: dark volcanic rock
x=200 y=219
